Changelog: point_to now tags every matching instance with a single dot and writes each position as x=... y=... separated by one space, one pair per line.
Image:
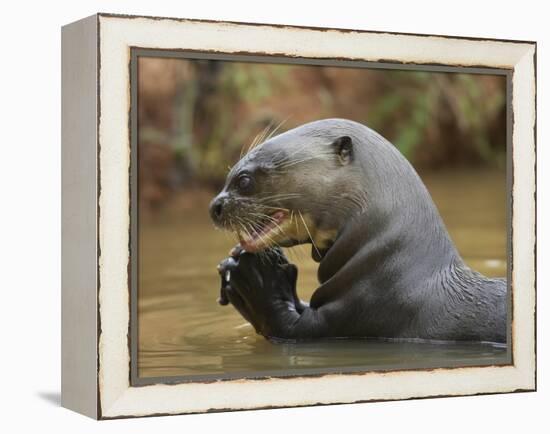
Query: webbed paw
x=262 y=287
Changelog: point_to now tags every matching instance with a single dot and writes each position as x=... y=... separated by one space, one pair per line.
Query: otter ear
x=343 y=147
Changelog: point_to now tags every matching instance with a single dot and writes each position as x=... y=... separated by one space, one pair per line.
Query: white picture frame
x=96 y=153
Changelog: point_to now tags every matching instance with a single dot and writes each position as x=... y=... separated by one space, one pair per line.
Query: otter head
x=298 y=187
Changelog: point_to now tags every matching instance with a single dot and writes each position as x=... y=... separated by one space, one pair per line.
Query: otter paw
x=262 y=287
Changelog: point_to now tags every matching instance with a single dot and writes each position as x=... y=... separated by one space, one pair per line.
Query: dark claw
x=222 y=299
x=227 y=264
x=224 y=270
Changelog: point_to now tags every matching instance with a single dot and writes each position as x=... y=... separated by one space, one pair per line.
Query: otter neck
x=399 y=222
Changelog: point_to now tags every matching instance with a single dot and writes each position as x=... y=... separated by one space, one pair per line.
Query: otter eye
x=244 y=183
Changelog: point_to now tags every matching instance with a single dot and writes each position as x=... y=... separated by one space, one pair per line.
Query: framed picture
x=261 y=216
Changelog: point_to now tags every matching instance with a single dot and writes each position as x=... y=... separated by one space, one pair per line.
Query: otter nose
x=216 y=208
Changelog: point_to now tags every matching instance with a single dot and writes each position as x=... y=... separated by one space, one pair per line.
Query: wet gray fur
x=392 y=270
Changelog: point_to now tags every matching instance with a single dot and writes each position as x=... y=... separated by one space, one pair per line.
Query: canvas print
x=298 y=219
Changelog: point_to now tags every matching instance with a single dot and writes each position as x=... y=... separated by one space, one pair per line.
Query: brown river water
x=184 y=332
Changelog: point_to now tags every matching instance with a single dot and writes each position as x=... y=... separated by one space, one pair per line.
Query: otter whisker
x=297 y=231
x=241 y=152
x=289 y=158
x=276 y=208
x=280 y=229
x=273 y=197
x=272 y=193
x=271 y=242
x=295 y=222
x=244 y=227
x=253 y=144
x=257 y=139
x=278 y=197
x=309 y=233
x=265 y=131
x=250 y=225
x=262 y=134
x=272 y=133
x=250 y=146
x=272 y=220
x=262 y=215
x=295 y=162
x=265 y=238
x=260 y=138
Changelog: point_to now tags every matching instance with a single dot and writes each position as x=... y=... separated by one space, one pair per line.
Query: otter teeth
x=257 y=240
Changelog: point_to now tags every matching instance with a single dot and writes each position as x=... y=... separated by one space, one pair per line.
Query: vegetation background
x=195 y=116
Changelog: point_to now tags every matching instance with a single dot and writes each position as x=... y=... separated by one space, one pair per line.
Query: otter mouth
x=262 y=234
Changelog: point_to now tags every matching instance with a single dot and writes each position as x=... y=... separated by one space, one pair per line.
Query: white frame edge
x=116 y=35
x=79 y=388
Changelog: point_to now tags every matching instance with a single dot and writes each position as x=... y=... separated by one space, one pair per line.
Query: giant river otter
x=387 y=269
